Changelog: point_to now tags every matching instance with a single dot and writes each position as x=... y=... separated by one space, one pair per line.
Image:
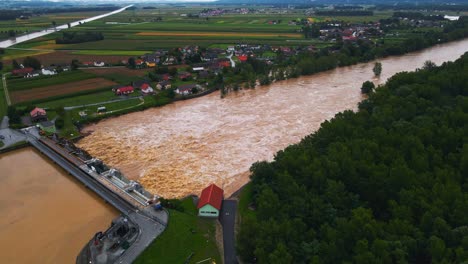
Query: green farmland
x=66 y=77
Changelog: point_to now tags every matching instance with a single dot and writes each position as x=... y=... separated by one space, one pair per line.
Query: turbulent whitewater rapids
x=180 y=148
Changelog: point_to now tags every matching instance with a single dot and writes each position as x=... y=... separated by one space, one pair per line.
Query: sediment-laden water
x=46 y=215
x=178 y=149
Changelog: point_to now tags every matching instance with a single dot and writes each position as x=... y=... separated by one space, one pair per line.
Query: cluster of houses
x=28 y=72
x=333 y=32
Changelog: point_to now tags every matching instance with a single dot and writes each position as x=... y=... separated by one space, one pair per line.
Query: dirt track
x=59 y=89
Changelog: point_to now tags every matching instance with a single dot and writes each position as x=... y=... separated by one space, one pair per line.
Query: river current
x=180 y=148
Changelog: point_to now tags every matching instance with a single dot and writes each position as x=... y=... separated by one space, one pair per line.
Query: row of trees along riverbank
x=386 y=184
x=245 y=75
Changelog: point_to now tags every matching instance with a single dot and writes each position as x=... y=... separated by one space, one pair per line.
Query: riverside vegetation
x=385 y=184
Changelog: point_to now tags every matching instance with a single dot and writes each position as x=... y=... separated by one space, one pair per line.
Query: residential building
x=38 y=114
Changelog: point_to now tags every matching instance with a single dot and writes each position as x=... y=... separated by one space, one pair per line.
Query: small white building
x=99 y=64
x=48 y=71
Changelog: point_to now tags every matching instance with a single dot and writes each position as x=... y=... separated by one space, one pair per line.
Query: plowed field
x=59 y=89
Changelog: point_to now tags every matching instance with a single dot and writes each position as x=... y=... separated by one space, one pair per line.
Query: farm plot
x=60 y=89
x=219 y=34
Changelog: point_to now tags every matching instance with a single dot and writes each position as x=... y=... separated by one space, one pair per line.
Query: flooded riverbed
x=180 y=148
x=47 y=216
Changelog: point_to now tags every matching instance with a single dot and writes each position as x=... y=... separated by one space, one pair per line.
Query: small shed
x=47 y=126
x=210 y=201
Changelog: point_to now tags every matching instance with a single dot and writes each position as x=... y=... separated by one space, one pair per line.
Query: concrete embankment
x=150 y=223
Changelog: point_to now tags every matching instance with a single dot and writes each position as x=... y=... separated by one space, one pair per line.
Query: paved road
x=228 y=220
x=23 y=38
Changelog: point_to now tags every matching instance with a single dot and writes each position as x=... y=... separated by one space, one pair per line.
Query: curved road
x=47 y=31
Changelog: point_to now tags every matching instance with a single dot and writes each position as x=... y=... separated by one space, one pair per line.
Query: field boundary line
x=5 y=88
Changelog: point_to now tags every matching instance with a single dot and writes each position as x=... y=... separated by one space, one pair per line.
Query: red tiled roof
x=144 y=86
x=125 y=89
x=212 y=195
x=37 y=111
x=242 y=57
x=22 y=71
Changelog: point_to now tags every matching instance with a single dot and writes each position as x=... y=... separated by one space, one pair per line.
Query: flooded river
x=180 y=148
x=47 y=216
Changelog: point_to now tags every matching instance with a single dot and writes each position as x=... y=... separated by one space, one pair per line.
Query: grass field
x=111 y=52
x=62 y=78
x=135 y=32
x=185 y=234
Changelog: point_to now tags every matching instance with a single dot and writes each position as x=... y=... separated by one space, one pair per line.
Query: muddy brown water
x=46 y=215
x=180 y=148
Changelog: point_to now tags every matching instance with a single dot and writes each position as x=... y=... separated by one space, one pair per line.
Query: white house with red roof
x=146 y=89
x=210 y=201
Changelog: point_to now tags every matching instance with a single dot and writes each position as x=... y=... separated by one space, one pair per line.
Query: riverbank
x=180 y=148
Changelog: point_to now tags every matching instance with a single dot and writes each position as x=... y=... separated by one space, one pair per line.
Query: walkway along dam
x=139 y=224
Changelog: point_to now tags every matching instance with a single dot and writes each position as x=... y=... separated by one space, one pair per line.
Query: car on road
x=2 y=137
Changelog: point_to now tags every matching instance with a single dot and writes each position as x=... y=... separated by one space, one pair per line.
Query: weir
x=132 y=232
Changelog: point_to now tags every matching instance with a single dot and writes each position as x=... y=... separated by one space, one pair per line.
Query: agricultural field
x=52 y=91
x=37 y=23
x=84 y=86
x=136 y=32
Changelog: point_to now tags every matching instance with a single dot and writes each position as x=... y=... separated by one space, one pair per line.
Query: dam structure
x=142 y=218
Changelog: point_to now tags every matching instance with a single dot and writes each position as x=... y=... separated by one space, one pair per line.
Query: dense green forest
x=386 y=184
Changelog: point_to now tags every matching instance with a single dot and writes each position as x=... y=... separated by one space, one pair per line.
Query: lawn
x=185 y=234
x=92 y=98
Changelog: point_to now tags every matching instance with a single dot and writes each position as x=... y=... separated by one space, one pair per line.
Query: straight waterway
x=180 y=148
x=47 y=216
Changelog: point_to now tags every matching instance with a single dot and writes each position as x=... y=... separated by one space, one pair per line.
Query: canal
x=180 y=148
x=47 y=216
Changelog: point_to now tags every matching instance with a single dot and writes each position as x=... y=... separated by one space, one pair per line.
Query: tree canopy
x=385 y=184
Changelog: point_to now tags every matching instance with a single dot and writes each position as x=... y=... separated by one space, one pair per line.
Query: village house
x=123 y=90
x=99 y=64
x=184 y=75
x=203 y=74
x=163 y=85
x=146 y=89
x=185 y=89
x=38 y=114
x=48 y=71
x=210 y=202
x=22 y=71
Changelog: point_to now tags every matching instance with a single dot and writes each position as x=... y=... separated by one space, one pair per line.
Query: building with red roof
x=242 y=58
x=38 y=114
x=124 y=90
x=22 y=71
x=210 y=201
